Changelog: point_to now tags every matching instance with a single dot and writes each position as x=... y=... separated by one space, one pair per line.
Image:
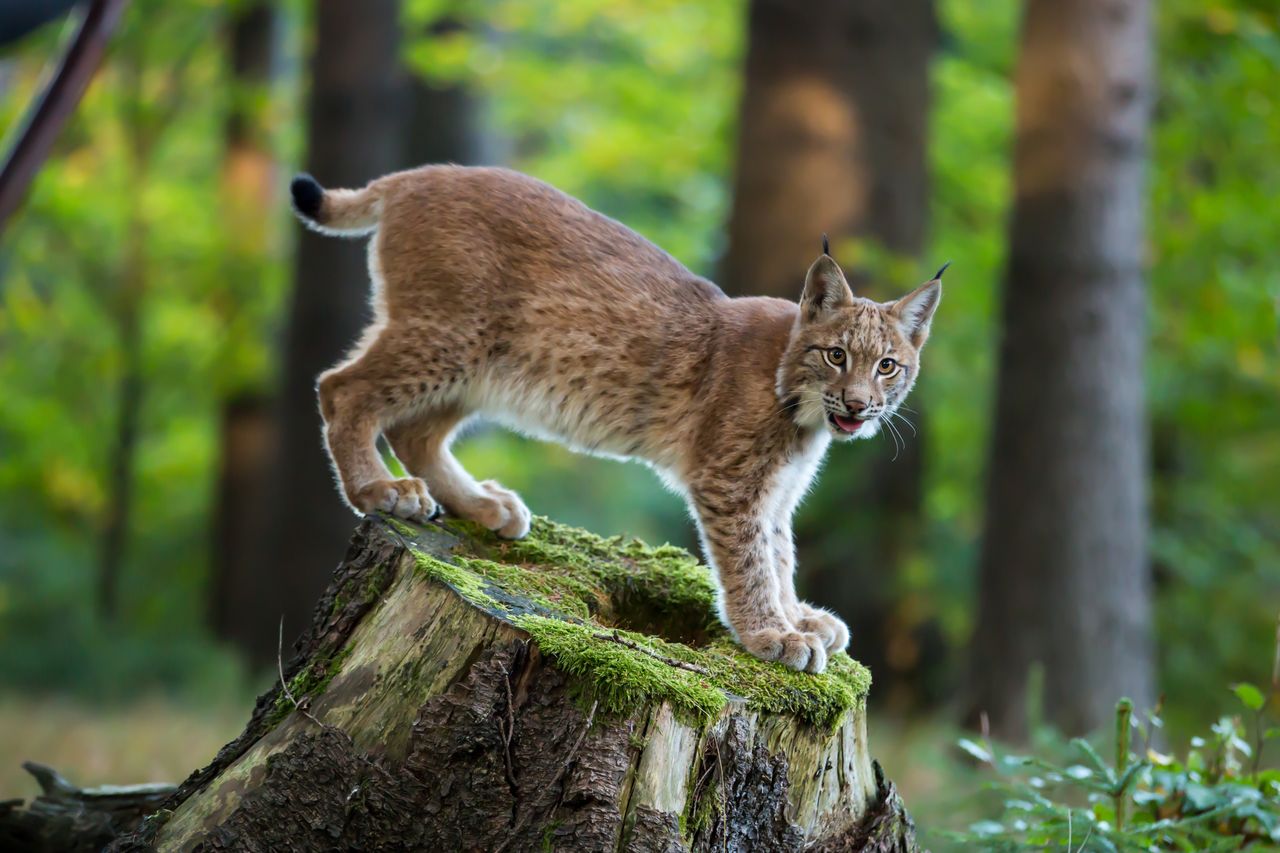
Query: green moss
x=571 y=590
x=555 y=592
x=620 y=678
x=404 y=527
x=311 y=681
x=548 y=835
x=703 y=810
x=468 y=584
x=660 y=582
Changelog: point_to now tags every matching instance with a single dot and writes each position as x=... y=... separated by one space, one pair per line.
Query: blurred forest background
x=163 y=493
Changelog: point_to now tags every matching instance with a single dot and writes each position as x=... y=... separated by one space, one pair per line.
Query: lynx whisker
x=905 y=420
x=899 y=442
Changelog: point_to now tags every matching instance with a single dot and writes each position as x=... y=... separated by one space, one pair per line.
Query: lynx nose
x=854 y=406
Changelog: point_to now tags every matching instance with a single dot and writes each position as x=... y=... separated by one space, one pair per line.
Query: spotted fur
x=497 y=296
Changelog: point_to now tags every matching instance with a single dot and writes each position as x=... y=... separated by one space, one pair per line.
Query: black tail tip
x=307 y=195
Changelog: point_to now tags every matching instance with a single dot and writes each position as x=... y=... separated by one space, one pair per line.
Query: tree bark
x=249 y=437
x=1065 y=579
x=456 y=692
x=128 y=305
x=251 y=200
x=443 y=117
x=832 y=139
x=355 y=132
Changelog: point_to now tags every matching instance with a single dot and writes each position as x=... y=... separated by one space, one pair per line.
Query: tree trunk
x=128 y=304
x=249 y=438
x=443 y=120
x=124 y=443
x=251 y=201
x=459 y=692
x=832 y=139
x=355 y=132
x=1065 y=580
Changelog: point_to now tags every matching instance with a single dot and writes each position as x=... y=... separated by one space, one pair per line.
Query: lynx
x=496 y=295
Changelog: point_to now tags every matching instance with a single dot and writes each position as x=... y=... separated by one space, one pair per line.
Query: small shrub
x=1215 y=796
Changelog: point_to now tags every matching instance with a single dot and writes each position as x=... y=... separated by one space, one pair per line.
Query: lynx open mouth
x=844 y=424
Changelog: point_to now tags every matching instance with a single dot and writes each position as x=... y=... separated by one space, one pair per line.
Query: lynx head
x=850 y=362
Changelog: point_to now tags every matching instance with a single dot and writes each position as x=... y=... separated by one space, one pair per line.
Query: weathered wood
x=459 y=693
x=65 y=818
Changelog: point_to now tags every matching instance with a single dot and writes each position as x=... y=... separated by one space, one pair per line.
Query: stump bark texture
x=457 y=692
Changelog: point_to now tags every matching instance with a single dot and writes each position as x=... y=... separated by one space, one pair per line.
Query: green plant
x=1216 y=796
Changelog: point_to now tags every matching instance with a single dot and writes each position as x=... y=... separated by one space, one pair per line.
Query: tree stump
x=563 y=692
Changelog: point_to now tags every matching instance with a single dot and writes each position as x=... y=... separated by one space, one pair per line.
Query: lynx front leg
x=750 y=601
x=806 y=617
x=423 y=446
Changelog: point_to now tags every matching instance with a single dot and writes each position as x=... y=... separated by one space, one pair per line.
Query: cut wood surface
x=564 y=692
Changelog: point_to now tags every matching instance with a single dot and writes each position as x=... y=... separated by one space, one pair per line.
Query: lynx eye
x=886 y=366
x=835 y=356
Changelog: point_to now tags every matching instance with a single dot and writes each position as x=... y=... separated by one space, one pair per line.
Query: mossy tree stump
x=458 y=692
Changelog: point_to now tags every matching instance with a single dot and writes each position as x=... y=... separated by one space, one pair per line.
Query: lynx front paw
x=404 y=498
x=800 y=651
x=824 y=623
x=500 y=510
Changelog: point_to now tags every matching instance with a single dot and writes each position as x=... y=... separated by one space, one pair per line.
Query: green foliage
x=1214 y=797
x=627 y=105
x=1214 y=371
x=631 y=106
x=129 y=202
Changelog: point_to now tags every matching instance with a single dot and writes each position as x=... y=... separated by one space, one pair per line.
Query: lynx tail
x=343 y=213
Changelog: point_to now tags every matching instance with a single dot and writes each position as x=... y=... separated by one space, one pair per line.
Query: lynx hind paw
x=502 y=511
x=799 y=651
x=824 y=623
x=405 y=498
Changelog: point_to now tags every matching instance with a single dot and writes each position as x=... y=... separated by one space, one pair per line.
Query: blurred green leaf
x=976 y=750
x=1249 y=695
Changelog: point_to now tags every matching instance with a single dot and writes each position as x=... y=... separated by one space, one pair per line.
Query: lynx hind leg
x=354 y=403
x=502 y=511
x=405 y=497
x=422 y=444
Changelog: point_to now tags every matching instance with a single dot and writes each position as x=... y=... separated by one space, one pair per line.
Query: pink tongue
x=847 y=424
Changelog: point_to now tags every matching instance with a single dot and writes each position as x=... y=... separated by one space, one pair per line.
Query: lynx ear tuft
x=826 y=247
x=938 y=275
x=825 y=289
